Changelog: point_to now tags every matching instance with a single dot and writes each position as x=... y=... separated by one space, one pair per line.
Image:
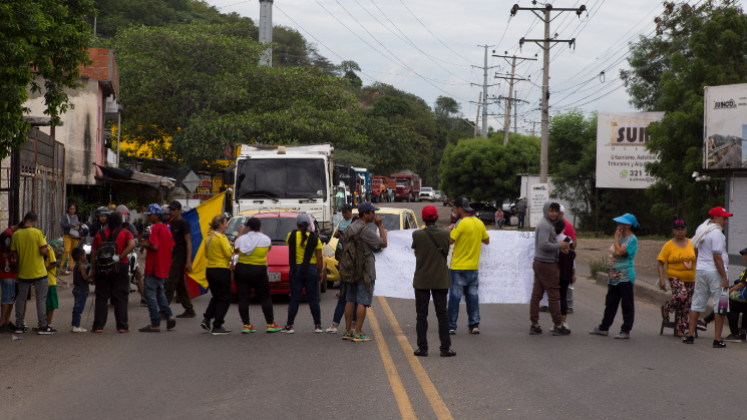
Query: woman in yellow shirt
x=679 y=256
x=218 y=274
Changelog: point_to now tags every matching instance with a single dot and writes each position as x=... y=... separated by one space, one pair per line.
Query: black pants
x=248 y=277
x=116 y=287
x=176 y=283
x=564 y=296
x=422 y=301
x=622 y=292
x=219 y=280
x=735 y=308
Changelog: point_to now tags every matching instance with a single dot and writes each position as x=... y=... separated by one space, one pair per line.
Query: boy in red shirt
x=157 y=265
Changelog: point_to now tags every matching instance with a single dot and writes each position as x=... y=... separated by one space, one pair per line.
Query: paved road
x=502 y=373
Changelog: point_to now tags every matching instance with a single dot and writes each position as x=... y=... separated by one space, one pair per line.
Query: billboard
x=725 y=127
x=621 y=155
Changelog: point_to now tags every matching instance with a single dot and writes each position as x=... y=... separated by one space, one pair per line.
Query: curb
x=643 y=290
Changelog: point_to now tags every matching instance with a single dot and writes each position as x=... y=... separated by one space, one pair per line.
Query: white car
x=437 y=195
x=427 y=193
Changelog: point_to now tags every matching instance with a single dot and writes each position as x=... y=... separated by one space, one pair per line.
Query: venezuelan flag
x=199 y=219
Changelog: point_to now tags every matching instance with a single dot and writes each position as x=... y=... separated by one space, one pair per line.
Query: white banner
x=505 y=271
x=621 y=155
x=725 y=142
x=538 y=195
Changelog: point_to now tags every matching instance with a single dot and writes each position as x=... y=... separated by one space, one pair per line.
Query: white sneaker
x=565 y=324
x=78 y=330
x=331 y=330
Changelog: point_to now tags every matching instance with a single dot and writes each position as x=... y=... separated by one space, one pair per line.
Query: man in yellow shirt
x=467 y=236
x=31 y=247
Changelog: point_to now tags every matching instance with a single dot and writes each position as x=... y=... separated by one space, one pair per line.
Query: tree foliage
x=50 y=36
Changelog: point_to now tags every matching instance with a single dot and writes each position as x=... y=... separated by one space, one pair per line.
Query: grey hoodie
x=546 y=246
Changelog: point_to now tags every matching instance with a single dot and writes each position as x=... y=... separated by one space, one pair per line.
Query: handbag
x=74 y=232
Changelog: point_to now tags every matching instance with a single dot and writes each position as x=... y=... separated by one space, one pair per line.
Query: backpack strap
x=440 y=249
x=311 y=244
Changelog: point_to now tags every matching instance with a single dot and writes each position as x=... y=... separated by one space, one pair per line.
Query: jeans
x=422 y=301
x=464 y=282
x=156 y=299
x=340 y=308
x=521 y=219
x=116 y=287
x=177 y=283
x=498 y=223
x=248 y=277
x=620 y=293
x=219 y=280
x=78 y=307
x=24 y=287
x=309 y=281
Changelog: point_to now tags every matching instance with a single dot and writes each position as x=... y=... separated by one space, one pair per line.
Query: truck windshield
x=281 y=178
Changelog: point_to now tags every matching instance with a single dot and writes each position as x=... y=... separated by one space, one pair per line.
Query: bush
x=597 y=267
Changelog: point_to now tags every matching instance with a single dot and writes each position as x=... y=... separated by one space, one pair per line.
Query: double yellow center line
x=403 y=401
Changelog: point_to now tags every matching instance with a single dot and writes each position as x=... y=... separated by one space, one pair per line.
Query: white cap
x=562 y=209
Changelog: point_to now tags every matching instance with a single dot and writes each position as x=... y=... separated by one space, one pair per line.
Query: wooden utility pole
x=534 y=125
x=485 y=86
x=511 y=77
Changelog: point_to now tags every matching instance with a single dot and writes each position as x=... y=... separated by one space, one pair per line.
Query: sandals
x=665 y=312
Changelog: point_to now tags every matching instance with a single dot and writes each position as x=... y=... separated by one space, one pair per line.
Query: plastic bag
x=723 y=303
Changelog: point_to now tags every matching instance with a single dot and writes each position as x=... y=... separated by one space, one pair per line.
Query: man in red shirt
x=157 y=265
x=111 y=279
x=8 y=274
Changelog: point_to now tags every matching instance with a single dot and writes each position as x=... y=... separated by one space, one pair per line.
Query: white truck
x=297 y=178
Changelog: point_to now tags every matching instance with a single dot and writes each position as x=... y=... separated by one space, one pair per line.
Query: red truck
x=380 y=183
x=407 y=186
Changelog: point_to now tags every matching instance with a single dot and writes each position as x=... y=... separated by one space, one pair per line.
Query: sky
x=429 y=47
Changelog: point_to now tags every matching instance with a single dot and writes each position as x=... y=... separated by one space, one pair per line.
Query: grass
x=597 y=266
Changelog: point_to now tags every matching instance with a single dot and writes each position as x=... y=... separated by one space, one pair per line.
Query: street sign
x=192 y=181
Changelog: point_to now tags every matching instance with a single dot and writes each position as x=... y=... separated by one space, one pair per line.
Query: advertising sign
x=621 y=155
x=538 y=195
x=725 y=132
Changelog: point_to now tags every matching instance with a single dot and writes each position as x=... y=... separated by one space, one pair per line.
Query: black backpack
x=105 y=264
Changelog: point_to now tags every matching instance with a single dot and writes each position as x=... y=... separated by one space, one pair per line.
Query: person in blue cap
x=621 y=277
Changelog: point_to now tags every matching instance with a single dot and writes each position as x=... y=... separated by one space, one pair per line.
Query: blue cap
x=366 y=206
x=153 y=209
x=303 y=218
x=627 y=219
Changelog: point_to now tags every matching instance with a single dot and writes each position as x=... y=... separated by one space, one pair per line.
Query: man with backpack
x=109 y=252
x=358 y=267
x=431 y=247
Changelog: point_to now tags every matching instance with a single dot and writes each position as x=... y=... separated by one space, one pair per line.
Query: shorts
x=707 y=284
x=28 y=297
x=8 y=289
x=52 y=302
x=357 y=293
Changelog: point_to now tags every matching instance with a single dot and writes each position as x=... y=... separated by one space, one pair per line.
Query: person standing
x=100 y=217
x=467 y=236
x=81 y=281
x=621 y=278
x=124 y=214
x=8 y=275
x=181 y=260
x=521 y=211
x=70 y=236
x=546 y=271
x=679 y=257
x=218 y=274
x=159 y=244
x=29 y=244
x=570 y=232
x=711 y=269
x=347 y=219
x=498 y=218
x=111 y=279
x=431 y=248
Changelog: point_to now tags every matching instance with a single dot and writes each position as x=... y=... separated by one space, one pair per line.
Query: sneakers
x=220 y=331
x=448 y=353
x=288 y=329
x=171 y=323
x=205 y=324
x=719 y=344
x=123 y=330
x=146 y=329
x=421 y=352
x=331 y=330
x=6 y=329
x=318 y=328
x=535 y=330
x=565 y=325
x=452 y=332
x=474 y=330
x=361 y=337
x=188 y=313
x=143 y=303
x=48 y=330
x=597 y=331
x=347 y=336
x=248 y=329
x=734 y=338
x=78 y=330
x=271 y=328
x=622 y=336
x=561 y=331
x=689 y=340
x=702 y=325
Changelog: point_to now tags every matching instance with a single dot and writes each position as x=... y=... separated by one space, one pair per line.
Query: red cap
x=429 y=213
x=719 y=211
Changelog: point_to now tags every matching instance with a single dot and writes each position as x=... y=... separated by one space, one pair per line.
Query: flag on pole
x=199 y=219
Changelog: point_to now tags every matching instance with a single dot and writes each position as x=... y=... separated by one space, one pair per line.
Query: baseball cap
x=719 y=211
x=678 y=223
x=562 y=209
x=175 y=205
x=744 y=251
x=303 y=218
x=154 y=209
x=366 y=206
x=429 y=213
x=462 y=203
x=627 y=219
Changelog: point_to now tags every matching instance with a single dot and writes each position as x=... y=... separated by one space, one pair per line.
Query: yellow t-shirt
x=301 y=250
x=219 y=252
x=51 y=259
x=468 y=236
x=27 y=242
x=253 y=248
x=680 y=262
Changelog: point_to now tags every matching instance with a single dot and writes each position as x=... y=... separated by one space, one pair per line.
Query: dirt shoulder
x=589 y=250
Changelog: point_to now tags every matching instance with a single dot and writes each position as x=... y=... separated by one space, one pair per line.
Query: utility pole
x=507 y=115
x=477 y=117
x=265 y=30
x=534 y=125
x=516 y=118
x=485 y=86
x=511 y=79
x=545 y=45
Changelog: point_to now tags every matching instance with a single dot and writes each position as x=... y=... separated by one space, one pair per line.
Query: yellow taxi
x=392 y=219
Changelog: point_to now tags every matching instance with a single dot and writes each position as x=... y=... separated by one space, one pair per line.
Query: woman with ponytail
x=219 y=254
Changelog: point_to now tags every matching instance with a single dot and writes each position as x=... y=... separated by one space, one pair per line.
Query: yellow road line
x=403 y=401
x=442 y=412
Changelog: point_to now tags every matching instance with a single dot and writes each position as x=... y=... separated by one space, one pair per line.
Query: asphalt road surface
x=503 y=373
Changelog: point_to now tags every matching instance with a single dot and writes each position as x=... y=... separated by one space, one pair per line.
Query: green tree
x=446 y=106
x=50 y=38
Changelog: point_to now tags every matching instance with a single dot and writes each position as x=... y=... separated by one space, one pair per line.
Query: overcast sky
x=429 y=50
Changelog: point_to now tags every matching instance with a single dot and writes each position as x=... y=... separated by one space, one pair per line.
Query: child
x=81 y=279
x=52 y=300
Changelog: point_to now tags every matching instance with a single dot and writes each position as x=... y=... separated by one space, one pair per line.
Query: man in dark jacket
x=431 y=246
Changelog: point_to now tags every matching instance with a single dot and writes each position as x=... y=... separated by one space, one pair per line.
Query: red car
x=277 y=225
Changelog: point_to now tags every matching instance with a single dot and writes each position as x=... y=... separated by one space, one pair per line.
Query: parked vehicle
x=407 y=186
x=485 y=212
x=509 y=209
x=427 y=193
x=366 y=183
x=437 y=195
x=380 y=183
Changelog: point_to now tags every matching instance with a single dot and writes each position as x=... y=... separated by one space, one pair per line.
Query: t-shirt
x=370 y=240
x=344 y=223
x=569 y=231
x=301 y=249
x=8 y=259
x=739 y=295
x=680 y=262
x=468 y=235
x=714 y=242
x=79 y=285
x=499 y=214
x=179 y=229
x=52 y=272
x=521 y=206
x=253 y=248
x=158 y=263
x=431 y=271
x=620 y=267
x=27 y=242
x=219 y=252
x=123 y=236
